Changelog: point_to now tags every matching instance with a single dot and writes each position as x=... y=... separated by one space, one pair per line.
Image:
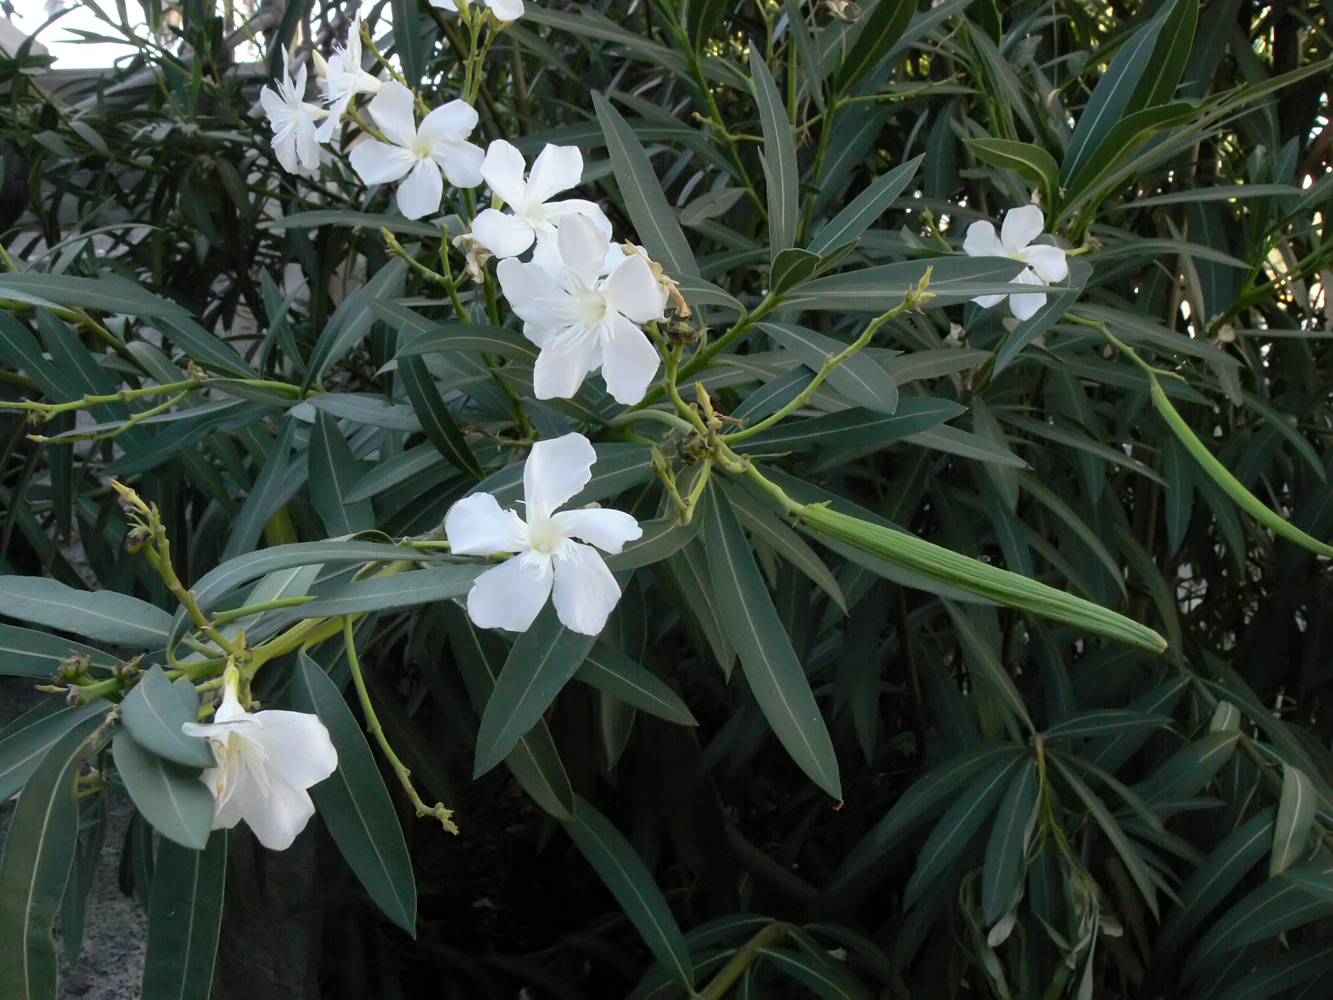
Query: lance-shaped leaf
x=98 y=614
x=436 y=419
x=184 y=918
x=26 y=652
x=1295 y=816
x=39 y=850
x=153 y=713
x=171 y=797
x=771 y=666
x=779 y=160
x=354 y=803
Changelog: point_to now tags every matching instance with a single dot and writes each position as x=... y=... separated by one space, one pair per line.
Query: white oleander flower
x=342 y=78
x=505 y=10
x=546 y=557
x=419 y=154
x=556 y=169
x=1045 y=264
x=583 y=321
x=292 y=119
x=265 y=763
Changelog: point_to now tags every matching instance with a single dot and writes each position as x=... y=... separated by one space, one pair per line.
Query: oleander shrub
x=917 y=414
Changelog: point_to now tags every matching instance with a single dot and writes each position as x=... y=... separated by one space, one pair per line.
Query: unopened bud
x=73 y=667
x=74 y=697
x=475 y=256
x=138 y=539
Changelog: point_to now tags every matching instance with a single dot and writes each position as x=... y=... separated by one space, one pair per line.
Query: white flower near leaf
x=1045 y=264
x=418 y=154
x=343 y=78
x=550 y=556
x=583 y=321
x=292 y=119
x=265 y=763
x=505 y=10
x=534 y=214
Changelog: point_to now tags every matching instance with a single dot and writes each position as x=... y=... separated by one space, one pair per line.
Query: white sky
x=70 y=51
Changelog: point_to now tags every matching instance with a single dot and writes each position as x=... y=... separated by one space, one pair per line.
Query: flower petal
x=981 y=241
x=503 y=170
x=609 y=530
x=555 y=471
x=506 y=10
x=460 y=161
x=556 y=169
x=300 y=752
x=376 y=162
x=393 y=112
x=633 y=290
x=1025 y=305
x=420 y=194
x=501 y=234
x=564 y=362
x=452 y=122
x=1049 y=262
x=629 y=361
x=510 y=595
x=585 y=591
x=534 y=295
x=477 y=526
x=986 y=301
x=1021 y=226
x=553 y=211
x=277 y=818
x=582 y=247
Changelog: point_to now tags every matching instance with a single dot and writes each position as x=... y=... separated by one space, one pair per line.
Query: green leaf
x=1107 y=722
x=541 y=662
x=859 y=377
x=1120 y=145
x=110 y=293
x=1216 y=877
x=154 y=713
x=354 y=803
x=771 y=666
x=865 y=209
x=880 y=31
x=614 y=673
x=26 y=652
x=436 y=419
x=276 y=482
x=958 y=825
x=39 y=851
x=856 y=427
x=398 y=590
x=660 y=539
x=333 y=472
x=1118 y=93
x=1031 y=162
x=774 y=532
x=1006 y=850
x=171 y=797
x=790 y=268
x=534 y=761
x=1191 y=767
x=618 y=467
x=654 y=221
x=352 y=320
x=779 y=159
x=1295 y=816
x=356 y=220
x=410 y=43
x=101 y=614
x=28 y=739
x=822 y=976
x=630 y=881
x=984 y=666
x=184 y=919
x=1277 y=906
x=878 y=289
x=1115 y=833
x=203 y=347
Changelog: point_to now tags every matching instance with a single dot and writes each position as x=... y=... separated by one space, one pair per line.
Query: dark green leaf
x=101 y=614
x=170 y=796
x=153 y=714
x=184 y=919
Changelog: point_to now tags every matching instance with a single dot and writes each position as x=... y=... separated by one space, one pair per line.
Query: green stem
x=376 y=730
x=744 y=957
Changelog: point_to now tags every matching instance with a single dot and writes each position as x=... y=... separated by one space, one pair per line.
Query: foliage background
x=1160 y=828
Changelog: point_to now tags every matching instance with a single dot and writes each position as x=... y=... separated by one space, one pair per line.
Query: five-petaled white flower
x=1044 y=263
x=583 y=321
x=265 y=763
x=556 y=169
x=343 y=78
x=505 y=10
x=419 y=154
x=292 y=119
x=546 y=558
